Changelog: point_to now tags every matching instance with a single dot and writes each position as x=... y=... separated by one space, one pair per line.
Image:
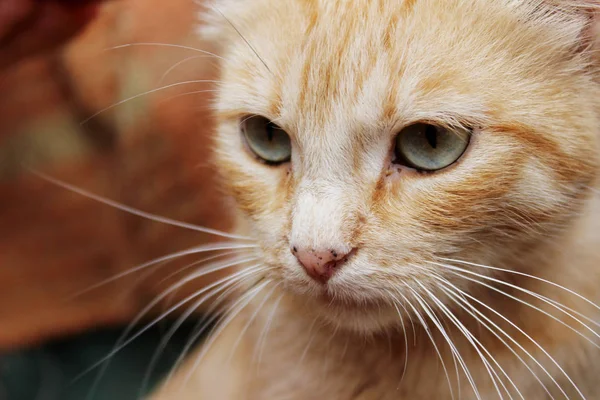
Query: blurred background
x=104 y=96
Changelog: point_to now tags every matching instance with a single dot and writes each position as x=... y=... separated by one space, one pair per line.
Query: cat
x=421 y=177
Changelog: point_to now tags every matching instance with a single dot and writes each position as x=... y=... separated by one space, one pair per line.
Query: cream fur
x=342 y=77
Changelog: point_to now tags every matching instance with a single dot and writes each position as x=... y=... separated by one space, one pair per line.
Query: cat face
x=401 y=133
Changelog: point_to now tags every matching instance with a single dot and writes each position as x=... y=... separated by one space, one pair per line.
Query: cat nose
x=320 y=264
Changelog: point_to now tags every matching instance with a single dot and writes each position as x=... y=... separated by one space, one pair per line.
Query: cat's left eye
x=429 y=148
x=267 y=140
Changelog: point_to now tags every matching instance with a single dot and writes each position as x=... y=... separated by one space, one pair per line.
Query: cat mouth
x=347 y=305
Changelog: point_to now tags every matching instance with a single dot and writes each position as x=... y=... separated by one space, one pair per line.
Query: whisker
x=407 y=313
x=555 y=304
x=193 y=250
x=439 y=326
x=177 y=64
x=345 y=348
x=134 y=211
x=176 y=46
x=452 y=295
x=535 y=343
x=192 y=265
x=204 y=323
x=172 y=85
x=431 y=338
x=163 y=344
x=121 y=342
x=196 y=263
x=454 y=360
x=328 y=355
x=475 y=343
x=563 y=307
x=414 y=332
x=454 y=269
x=593 y=189
x=244 y=39
x=250 y=320
x=263 y=335
x=235 y=309
x=526 y=275
x=405 y=345
x=309 y=342
x=167 y=99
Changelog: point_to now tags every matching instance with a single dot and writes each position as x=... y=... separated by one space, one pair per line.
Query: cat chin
x=360 y=316
x=364 y=321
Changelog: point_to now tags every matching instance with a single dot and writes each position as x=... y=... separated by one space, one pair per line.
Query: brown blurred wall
x=151 y=153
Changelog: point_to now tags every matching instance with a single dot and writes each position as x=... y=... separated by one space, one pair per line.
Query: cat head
x=368 y=142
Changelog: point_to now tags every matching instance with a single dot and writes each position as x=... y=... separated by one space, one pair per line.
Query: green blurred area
x=49 y=372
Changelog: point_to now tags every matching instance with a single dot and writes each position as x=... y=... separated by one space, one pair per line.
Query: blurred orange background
x=151 y=152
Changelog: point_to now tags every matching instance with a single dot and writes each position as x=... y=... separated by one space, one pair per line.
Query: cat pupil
x=432 y=136
x=270 y=132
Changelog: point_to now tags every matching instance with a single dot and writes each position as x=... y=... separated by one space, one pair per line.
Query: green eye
x=267 y=140
x=428 y=147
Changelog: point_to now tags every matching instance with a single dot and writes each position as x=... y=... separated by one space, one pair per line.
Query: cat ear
x=215 y=18
x=583 y=18
x=591 y=32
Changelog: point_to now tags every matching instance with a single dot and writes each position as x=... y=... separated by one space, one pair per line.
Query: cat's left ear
x=590 y=34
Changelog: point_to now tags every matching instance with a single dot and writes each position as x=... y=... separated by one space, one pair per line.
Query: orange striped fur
x=342 y=78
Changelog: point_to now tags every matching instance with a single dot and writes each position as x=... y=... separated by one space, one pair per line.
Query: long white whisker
x=453 y=296
x=193 y=250
x=565 y=308
x=454 y=350
x=427 y=330
x=526 y=275
x=555 y=304
x=176 y=46
x=206 y=322
x=177 y=64
x=263 y=335
x=407 y=313
x=137 y=96
x=236 y=308
x=133 y=211
x=535 y=343
x=238 y=279
x=475 y=343
x=522 y=301
x=244 y=39
x=121 y=342
x=197 y=263
x=405 y=345
x=250 y=321
x=186 y=94
x=454 y=361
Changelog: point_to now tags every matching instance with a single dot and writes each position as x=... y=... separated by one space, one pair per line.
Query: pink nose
x=320 y=264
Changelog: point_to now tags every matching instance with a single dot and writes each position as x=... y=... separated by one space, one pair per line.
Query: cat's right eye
x=268 y=141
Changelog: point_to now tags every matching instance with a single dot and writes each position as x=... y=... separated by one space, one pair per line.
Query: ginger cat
x=421 y=179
